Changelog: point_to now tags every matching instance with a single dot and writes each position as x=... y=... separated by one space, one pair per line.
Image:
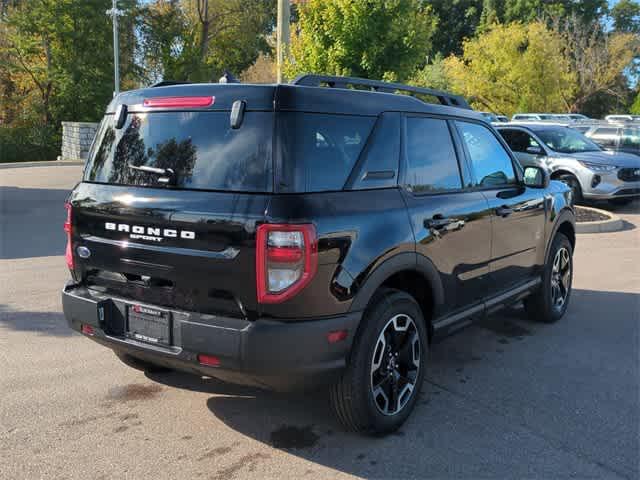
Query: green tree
x=527 y=11
x=362 y=38
x=626 y=16
x=513 y=68
x=59 y=54
x=457 y=20
x=166 y=41
x=490 y=14
x=197 y=40
x=432 y=75
x=635 y=108
x=228 y=34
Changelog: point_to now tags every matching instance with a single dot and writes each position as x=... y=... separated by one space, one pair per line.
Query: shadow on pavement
x=485 y=406
x=31 y=222
x=44 y=323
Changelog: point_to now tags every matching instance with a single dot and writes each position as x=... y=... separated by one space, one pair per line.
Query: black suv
x=320 y=233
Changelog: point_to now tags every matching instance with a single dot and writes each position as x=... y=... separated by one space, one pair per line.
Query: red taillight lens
x=208 y=360
x=286 y=260
x=177 y=102
x=68 y=227
x=337 y=336
x=87 y=329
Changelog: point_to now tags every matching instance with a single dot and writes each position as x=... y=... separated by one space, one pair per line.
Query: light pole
x=114 y=13
x=282 y=35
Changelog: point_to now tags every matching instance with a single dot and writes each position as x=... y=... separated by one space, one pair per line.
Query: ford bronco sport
x=319 y=233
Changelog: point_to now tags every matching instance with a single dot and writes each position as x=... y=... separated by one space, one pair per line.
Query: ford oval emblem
x=83 y=252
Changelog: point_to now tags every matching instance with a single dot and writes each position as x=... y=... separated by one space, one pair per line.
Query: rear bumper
x=267 y=353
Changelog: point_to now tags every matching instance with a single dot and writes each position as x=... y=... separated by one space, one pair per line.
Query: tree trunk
x=203 y=13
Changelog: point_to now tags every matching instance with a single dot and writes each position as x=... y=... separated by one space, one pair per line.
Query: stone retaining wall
x=76 y=140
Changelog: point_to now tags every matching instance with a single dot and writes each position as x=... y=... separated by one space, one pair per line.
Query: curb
x=614 y=223
x=50 y=163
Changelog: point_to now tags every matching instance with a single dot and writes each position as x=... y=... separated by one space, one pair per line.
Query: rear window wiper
x=168 y=176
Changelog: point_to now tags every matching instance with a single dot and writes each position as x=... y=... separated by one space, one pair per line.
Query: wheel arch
x=408 y=272
x=565 y=224
x=562 y=171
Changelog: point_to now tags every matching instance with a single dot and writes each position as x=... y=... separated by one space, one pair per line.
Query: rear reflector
x=87 y=329
x=208 y=360
x=337 y=336
x=176 y=102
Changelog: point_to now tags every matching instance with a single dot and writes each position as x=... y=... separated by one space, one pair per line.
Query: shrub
x=28 y=143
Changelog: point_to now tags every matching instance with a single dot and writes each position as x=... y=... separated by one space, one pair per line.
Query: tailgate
x=186 y=249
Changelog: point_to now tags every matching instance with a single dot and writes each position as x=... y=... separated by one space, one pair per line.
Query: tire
x=573 y=183
x=544 y=305
x=358 y=398
x=141 y=365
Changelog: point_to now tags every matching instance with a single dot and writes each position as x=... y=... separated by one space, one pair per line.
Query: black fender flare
x=398 y=263
x=565 y=215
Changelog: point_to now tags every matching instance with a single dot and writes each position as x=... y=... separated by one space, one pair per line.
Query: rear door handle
x=437 y=222
x=504 y=211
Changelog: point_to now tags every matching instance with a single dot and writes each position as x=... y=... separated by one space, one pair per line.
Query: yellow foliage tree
x=513 y=68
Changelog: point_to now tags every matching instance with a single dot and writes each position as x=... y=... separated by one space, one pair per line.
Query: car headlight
x=598 y=167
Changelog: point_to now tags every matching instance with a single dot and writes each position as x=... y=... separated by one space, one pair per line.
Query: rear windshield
x=200 y=147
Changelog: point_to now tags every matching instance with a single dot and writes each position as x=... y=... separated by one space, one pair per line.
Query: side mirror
x=536 y=177
x=535 y=150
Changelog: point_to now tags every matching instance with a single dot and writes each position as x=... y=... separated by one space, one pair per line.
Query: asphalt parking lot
x=506 y=398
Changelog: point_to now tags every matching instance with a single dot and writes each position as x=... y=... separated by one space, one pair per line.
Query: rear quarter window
x=318 y=151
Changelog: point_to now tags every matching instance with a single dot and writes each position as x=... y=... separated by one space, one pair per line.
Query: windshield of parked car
x=566 y=140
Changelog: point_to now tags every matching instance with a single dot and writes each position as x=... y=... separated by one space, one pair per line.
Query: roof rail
x=312 y=80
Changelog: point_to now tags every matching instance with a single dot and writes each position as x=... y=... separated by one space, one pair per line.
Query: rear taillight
x=286 y=260
x=68 y=226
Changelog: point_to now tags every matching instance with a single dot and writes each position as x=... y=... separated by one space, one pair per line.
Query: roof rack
x=312 y=80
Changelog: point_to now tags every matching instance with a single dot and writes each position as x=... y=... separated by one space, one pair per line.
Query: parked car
x=619 y=138
x=494 y=118
x=306 y=235
x=591 y=172
x=570 y=117
x=526 y=117
x=490 y=117
x=622 y=118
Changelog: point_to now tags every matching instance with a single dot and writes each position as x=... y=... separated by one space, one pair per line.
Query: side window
x=518 y=140
x=630 y=137
x=432 y=164
x=490 y=161
x=378 y=163
x=606 y=136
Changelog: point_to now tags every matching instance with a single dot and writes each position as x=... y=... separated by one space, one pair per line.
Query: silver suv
x=619 y=138
x=591 y=172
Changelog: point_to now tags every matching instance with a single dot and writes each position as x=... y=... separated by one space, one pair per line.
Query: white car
x=622 y=118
